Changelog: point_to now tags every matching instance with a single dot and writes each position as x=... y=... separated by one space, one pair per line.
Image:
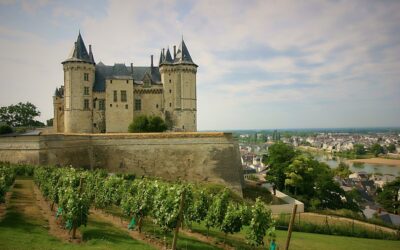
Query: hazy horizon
x=277 y=64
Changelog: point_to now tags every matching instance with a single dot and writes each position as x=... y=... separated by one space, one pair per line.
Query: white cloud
x=327 y=54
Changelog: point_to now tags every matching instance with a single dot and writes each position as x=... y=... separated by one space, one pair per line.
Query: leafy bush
x=145 y=124
x=5 y=129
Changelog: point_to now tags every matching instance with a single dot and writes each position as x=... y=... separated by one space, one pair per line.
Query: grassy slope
x=307 y=241
x=328 y=242
x=149 y=228
x=24 y=228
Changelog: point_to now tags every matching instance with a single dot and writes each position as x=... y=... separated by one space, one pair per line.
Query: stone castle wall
x=197 y=157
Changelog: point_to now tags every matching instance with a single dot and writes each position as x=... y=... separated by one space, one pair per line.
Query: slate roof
x=79 y=52
x=168 y=57
x=162 y=57
x=182 y=55
x=121 y=71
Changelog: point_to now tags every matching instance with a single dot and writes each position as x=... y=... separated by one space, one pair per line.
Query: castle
x=98 y=98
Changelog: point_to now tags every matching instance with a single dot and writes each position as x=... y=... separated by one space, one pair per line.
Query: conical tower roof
x=162 y=58
x=79 y=52
x=183 y=55
x=168 y=57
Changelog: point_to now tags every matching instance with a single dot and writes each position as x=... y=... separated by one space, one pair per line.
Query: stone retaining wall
x=198 y=157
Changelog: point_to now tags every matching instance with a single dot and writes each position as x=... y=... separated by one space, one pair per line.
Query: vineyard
x=52 y=205
x=72 y=193
x=7 y=177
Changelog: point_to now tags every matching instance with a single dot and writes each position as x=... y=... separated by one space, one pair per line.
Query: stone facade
x=97 y=98
x=196 y=157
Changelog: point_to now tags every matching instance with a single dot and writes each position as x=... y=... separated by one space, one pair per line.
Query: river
x=333 y=162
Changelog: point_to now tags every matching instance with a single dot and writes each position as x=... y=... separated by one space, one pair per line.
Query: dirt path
x=55 y=228
x=370 y=226
x=122 y=224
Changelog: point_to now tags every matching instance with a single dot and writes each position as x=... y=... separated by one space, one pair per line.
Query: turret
x=179 y=78
x=79 y=75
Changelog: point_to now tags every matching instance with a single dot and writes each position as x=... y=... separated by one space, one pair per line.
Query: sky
x=262 y=64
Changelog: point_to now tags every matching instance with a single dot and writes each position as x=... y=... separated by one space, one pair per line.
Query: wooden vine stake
x=179 y=222
x=291 y=226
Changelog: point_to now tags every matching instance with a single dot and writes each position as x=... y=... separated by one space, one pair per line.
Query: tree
x=49 y=122
x=21 y=114
x=376 y=149
x=343 y=170
x=301 y=174
x=139 y=124
x=144 y=124
x=280 y=156
x=389 y=197
x=5 y=129
x=391 y=148
x=156 y=124
x=359 y=149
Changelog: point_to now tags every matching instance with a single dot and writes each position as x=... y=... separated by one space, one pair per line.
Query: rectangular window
x=94 y=104
x=86 y=90
x=102 y=104
x=86 y=76
x=138 y=104
x=123 y=95
x=115 y=96
x=86 y=104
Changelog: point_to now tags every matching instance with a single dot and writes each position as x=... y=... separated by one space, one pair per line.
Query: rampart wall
x=196 y=157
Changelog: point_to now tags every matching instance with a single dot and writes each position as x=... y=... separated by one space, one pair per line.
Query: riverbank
x=383 y=161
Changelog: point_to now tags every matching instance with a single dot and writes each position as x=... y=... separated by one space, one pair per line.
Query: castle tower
x=79 y=75
x=179 y=78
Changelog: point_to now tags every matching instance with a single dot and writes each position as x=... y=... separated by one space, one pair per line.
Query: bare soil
x=394 y=162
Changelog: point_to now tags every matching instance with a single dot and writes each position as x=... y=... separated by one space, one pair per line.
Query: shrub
x=5 y=129
x=144 y=124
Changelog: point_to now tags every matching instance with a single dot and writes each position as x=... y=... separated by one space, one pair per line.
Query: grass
x=23 y=227
x=184 y=242
x=306 y=241
x=154 y=231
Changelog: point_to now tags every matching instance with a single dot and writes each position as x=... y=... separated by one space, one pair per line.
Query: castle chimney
x=90 y=48
x=151 y=61
x=132 y=69
x=174 y=51
x=163 y=52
